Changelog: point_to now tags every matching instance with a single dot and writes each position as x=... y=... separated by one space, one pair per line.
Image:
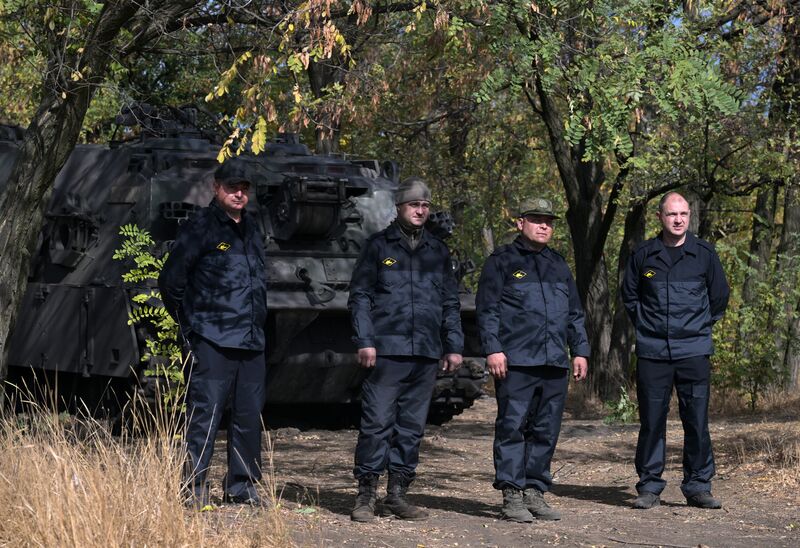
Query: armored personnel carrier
x=315 y=211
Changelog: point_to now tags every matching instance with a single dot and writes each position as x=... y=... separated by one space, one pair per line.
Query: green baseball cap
x=537 y=206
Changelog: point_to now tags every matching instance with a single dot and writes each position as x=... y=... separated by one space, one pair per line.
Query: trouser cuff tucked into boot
x=396 y=504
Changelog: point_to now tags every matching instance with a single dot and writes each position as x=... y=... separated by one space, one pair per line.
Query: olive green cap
x=537 y=206
x=411 y=190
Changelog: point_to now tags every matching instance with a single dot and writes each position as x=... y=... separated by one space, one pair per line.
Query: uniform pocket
x=388 y=279
x=557 y=296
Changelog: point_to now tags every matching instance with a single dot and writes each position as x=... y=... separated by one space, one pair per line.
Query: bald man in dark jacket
x=674 y=291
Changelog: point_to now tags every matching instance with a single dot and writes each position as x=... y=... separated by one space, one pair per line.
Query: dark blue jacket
x=528 y=307
x=404 y=302
x=214 y=281
x=674 y=306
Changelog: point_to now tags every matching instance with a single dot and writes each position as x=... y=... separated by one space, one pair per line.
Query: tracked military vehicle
x=315 y=211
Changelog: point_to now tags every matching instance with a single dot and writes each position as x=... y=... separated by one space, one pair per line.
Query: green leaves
x=748 y=358
x=135 y=247
x=605 y=65
x=622 y=411
x=161 y=351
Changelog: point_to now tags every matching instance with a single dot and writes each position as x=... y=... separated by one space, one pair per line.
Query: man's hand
x=497 y=365
x=367 y=357
x=580 y=366
x=451 y=362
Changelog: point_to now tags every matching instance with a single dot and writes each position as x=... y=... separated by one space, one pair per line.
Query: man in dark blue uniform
x=214 y=285
x=529 y=312
x=674 y=291
x=406 y=317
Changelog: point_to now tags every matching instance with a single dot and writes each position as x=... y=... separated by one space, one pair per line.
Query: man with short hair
x=674 y=291
x=214 y=285
x=406 y=317
x=529 y=313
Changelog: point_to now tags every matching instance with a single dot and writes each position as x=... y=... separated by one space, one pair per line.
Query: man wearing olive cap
x=214 y=285
x=406 y=317
x=529 y=317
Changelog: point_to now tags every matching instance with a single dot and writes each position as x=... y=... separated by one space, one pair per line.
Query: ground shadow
x=615 y=496
x=340 y=501
x=336 y=501
x=469 y=507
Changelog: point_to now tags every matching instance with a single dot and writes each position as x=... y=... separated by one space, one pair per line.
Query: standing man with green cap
x=529 y=315
x=406 y=317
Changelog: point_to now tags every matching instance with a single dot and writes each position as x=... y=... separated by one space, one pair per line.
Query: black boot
x=704 y=500
x=364 y=510
x=395 y=503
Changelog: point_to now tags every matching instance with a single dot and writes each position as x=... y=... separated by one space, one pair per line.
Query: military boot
x=646 y=500
x=364 y=509
x=395 y=503
x=704 y=500
x=538 y=507
x=513 y=506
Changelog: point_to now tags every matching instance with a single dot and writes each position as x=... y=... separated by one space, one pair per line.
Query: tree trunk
x=789 y=263
x=791 y=358
x=787 y=89
x=697 y=220
x=760 y=242
x=321 y=74
x=48 y=142
x=589 y=226
x=622 y=334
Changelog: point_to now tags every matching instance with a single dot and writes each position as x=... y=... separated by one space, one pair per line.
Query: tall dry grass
x=66 y=481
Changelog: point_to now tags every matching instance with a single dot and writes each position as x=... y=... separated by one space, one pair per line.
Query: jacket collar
x=689 y=246
x=224 y=218
x=523 y=249
x=393 y=233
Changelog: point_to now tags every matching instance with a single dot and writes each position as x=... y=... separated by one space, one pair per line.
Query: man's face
x=232 y=196
x=674 y=216
x=415 y=213
x=537 y=229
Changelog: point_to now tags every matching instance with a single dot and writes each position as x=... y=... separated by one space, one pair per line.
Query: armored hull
x=316 y=213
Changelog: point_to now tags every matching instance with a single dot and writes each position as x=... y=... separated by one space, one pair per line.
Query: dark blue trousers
x=395 y=399
x=222 y=378
x=655 y=379
x=530 y=402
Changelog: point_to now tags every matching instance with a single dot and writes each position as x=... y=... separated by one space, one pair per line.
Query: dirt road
x=594 y=476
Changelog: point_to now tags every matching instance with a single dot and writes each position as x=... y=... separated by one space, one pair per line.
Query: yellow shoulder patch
x=649 y=273
x=388 y=261
x=223 y=246
x=519 y=274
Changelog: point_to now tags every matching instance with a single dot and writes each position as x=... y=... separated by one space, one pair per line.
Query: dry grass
x=780 y=449
x=768 y=462
x=765 y=445
x=68 y=482
x=774 y=402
